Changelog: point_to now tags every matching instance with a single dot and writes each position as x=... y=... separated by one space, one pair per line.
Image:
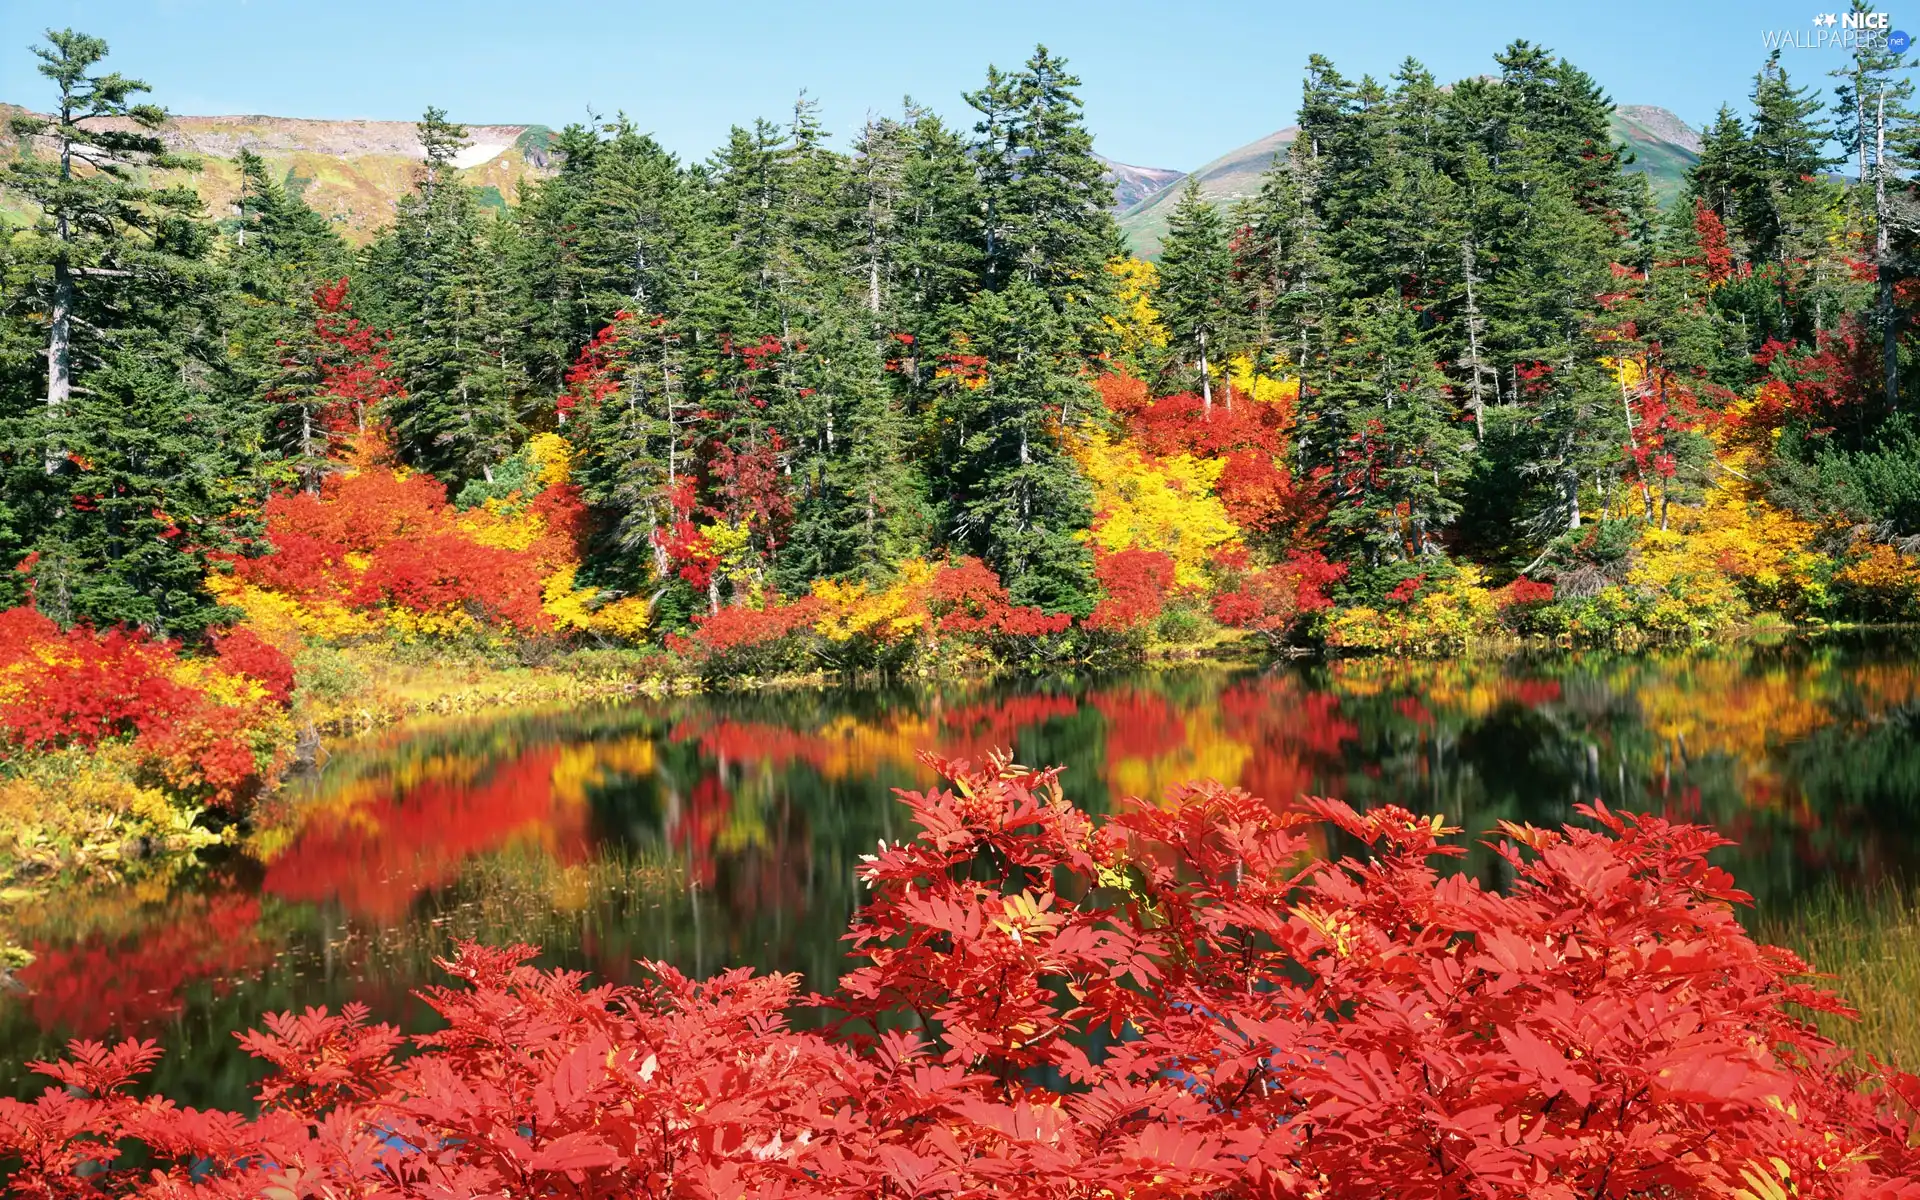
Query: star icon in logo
x=1829 y=20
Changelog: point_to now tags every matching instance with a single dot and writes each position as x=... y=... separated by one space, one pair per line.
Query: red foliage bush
x=1181 y=424
x=241 y=651
x=1523 y=591
x=1136 y=583
x=1404 y=591
x=445 y=572
x=1180 y=1003
x=1275 y=600
x=1834 y=382
x=742 y=639
x=967 y=598
x=1257 y=489
x=87 y=687
x=82 y=687
x=311 y=536
x=418 y=556
x=354 y=368
x=1716 y=256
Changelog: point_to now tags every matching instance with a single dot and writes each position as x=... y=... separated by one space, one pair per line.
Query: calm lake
x=719 y=831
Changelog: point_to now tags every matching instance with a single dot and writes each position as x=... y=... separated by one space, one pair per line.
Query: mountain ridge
x=1663 y=146
x=353 y=171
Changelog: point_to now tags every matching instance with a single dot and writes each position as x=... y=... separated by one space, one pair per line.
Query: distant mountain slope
x=351 y=172
x=1227 y=178
x=1663 y=146
x=1131 y=184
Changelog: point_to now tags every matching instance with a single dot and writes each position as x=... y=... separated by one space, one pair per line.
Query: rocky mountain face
x=351 y=172
x=1134 y=185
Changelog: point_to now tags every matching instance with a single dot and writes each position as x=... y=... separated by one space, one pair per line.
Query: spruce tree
x=940 y=256
x=1874 y=122
x=1723 y=177
x=445 y=289
x=1011 y=494
x=1785 y=209
x=127 y=469
x=1045 y=196
x=1282 y=270
x=1388 y=436
x=1195 y=293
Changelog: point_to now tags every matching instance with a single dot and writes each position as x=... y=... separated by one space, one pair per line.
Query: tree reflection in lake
x=716 y=831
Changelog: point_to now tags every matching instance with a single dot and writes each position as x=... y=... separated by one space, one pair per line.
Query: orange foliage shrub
x=386 y=543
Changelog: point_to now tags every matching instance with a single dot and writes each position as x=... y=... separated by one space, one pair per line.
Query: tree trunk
x=1633 y=444
x=1473 y=344
x=1206 y=379
x=306 y=450
x=60 y=320
x=1883 y=261
x=59 y=351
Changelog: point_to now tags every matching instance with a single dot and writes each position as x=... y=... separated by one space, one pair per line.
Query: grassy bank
x=1869 y=946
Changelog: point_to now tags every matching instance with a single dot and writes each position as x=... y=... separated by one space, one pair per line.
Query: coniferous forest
x=1450 y=351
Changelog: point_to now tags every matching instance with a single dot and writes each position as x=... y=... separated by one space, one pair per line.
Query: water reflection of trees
x=727 y=830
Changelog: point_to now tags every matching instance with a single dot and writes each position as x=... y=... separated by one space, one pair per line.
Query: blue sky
x=1167 y=84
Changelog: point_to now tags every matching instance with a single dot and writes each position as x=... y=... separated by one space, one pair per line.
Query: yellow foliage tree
x=1166 y=504
x=1262 y=389
x=1135 y=321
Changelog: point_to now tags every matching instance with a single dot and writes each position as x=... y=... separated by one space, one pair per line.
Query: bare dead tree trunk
x=60 y=320
x=1883 y=260
x=1633 y=444
x=1206 y=378
x=306 y=450
x=1474 y=365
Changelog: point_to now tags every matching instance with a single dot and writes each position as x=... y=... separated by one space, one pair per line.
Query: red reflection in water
x=376 y=856
x=1294 y=735
x=130 y=983
x=1140 y=724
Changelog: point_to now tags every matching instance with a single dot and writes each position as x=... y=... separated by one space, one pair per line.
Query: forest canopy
x=1449 y=373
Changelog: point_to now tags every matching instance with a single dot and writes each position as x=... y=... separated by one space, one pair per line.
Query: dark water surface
x=718 y=831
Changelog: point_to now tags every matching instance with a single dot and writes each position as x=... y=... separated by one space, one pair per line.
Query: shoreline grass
x=1866 y=947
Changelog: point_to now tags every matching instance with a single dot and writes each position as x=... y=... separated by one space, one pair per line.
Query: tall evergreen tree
x=1388 y=435
x=1195 y=293
x=98 y=222
x=1045 y=194
x=128 y=468
x=444 y=288
x=1785 y=210
x=1873 y=122
x=1012 y=495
